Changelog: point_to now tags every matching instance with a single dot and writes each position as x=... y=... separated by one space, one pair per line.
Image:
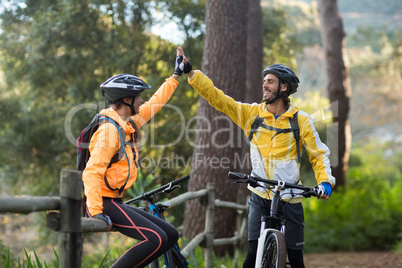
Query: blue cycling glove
x=106 y=219
x=324 y=188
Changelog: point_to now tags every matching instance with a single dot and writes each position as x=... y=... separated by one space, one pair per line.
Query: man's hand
x=324 y=190
x=106 y=219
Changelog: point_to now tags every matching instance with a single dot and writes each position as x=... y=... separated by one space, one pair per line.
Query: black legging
x=156 y=235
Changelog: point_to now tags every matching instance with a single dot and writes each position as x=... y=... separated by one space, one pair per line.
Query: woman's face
x=137 y=104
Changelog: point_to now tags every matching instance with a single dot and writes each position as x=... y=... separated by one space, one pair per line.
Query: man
x=274 y=149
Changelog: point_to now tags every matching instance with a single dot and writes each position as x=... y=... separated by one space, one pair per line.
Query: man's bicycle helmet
x=121 y=86
x=284 y=73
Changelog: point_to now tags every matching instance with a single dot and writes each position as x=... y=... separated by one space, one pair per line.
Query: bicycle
x=173 y=257
x=271 y=249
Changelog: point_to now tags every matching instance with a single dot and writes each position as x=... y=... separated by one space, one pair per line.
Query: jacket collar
x=289 y=113
x=110 y=112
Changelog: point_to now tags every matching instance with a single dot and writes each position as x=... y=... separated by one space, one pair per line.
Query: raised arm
x=159 y=98
x=240 y=113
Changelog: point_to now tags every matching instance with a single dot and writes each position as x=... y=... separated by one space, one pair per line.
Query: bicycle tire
x=178 y=260
x=274 y=255
x=154 y=264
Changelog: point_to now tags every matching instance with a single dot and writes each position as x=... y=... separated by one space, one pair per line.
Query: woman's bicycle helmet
x=121 y=86
x=284 y=73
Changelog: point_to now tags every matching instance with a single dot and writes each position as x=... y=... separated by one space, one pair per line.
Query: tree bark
x=339 y=88
x=218 y=141
x=254 y=77
x=254 y=53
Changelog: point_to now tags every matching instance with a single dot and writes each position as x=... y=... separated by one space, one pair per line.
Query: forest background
x=54 y=55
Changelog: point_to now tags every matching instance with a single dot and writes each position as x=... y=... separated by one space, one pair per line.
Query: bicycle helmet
x=284 y=73
x=121 y=86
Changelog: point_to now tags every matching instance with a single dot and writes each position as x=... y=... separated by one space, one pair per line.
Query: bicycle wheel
x=171 y=259
x=178 y=259
x=154 y=264
x=163 y=261
x=274 y=255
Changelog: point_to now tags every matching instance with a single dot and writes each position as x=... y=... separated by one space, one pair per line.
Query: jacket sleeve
x=317 y=151
x=238 y=112
x=156 y=102
x=103 y=146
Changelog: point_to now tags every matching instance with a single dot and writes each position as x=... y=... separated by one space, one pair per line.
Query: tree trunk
x=339 y=89
x=254 y=53
x=218 y=141
x=253 y=75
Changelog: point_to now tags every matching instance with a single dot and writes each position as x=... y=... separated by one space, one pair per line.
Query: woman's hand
x=105 y=218
x=179 y=59
x=185 y=66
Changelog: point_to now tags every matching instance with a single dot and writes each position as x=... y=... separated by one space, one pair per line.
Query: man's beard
x=268 y=98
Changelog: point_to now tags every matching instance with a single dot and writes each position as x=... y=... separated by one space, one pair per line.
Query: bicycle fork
x=275 y=225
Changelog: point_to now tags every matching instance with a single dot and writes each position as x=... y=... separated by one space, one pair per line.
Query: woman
x=105 y=184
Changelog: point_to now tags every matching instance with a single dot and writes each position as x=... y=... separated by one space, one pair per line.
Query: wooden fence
x=65 y=213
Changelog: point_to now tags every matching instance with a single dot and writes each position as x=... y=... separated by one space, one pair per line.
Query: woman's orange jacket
x=106 y=142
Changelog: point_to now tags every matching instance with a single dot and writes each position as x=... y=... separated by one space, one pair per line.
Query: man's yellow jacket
x=273 y=157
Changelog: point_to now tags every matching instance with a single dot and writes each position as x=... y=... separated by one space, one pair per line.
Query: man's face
x=270 y=87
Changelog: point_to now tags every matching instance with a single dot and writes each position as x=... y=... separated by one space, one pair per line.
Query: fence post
x=70 y=240
x=209 y=225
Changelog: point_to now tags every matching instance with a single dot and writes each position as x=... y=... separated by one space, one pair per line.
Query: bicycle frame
x=274 y=222
x=273 y=237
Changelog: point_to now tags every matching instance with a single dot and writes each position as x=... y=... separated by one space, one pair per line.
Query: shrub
x=364 y=216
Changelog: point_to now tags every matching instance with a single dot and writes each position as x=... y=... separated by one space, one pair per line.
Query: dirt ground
x=352 y=260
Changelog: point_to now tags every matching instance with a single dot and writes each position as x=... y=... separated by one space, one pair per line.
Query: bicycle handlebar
x=253 y=181
x=165 y=188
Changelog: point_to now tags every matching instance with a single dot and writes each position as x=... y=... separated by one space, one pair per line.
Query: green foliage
x=148 y=183
x=365 y=6
x=28 y=261
x=196 y=259
x=317 y=106
x=303 y=24
x=54 y=56
x=142 y=185
x=287 y=29
x=189 y=14
x=276 y=44
x=377 y=38
x=4 y=253
x=398 y=246
x=103 y=260
x=364 y=216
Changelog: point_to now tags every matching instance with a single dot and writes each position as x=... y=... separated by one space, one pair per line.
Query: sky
x=169 y=31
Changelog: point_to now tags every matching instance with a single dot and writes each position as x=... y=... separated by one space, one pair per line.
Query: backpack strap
x=294 y=127
x=119 y=155
x=294 y=123
x=131 y=144
x=254 y=127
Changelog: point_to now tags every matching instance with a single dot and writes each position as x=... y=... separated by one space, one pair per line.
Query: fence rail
x=64 y=216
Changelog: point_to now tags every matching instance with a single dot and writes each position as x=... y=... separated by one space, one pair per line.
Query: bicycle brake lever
x=253 y=183
x=171 y=188
x=310 y=193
